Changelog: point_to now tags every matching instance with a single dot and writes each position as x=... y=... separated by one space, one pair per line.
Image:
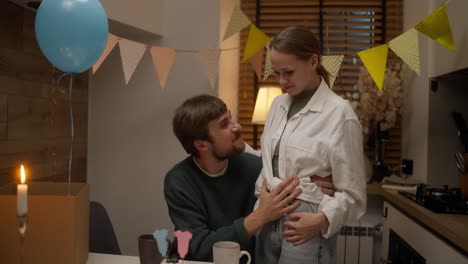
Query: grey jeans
x=272 y=248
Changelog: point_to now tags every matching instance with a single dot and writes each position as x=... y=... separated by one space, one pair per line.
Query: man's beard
x=220 y=156
x=235 y=150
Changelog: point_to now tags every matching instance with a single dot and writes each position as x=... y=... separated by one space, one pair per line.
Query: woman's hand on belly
x=304 y=226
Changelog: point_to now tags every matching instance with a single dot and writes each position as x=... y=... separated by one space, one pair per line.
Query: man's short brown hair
x=191 y=119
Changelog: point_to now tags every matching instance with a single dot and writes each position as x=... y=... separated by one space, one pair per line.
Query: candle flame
x=23 y=174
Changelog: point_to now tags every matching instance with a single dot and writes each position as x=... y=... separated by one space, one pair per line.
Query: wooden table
x=190 y=262
x=96 y=258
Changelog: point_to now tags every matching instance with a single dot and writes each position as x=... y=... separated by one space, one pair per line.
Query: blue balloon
x=72 y=34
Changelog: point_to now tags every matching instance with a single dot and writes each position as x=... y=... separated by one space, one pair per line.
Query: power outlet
x=407 y=166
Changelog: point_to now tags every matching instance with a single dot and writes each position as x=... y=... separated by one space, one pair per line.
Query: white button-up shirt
x=324 y=137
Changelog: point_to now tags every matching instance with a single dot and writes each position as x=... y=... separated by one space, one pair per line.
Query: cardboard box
x=57 y=229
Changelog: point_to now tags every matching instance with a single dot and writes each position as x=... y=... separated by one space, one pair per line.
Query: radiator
x=355 y=245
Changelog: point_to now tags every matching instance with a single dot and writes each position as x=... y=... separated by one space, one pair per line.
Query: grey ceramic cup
x=228 y=252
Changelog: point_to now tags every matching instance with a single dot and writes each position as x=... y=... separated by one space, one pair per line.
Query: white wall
x=435 y=60
x=131 y=145
x=451 y=95
x=416 y=108
x=228 y=87
x=146 y=15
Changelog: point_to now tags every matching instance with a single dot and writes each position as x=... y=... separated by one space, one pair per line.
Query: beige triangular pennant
x=406 y=46
x=332 y=64
x=257 y=62
x=268 y=67
x=112 y=40
x=131 y=53
x=163 y=58
x=209 y=59
x=237 y=22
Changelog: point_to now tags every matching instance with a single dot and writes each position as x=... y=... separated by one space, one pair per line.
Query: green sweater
x=212 y=209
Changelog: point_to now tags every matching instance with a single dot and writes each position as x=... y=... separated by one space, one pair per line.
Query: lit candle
x=22 y=194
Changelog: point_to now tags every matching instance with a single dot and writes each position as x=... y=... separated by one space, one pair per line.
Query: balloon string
x=72 y=137
x=58 y=81
x=71 y=128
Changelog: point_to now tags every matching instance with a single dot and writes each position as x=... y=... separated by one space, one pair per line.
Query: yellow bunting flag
x=332 y=64
x=131 y=53
x=375 y=61
x=163 y=58
x=406 y=46
x=256 y=41
x=237 y=22
x=268 y=67
x=257 y=62
x=437 y=27
x=112 y=40
x=209 y=59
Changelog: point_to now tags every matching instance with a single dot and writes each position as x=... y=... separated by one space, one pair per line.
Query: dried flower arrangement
x=382 y=107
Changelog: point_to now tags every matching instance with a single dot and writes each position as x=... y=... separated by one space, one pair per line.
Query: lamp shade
x=265 y=97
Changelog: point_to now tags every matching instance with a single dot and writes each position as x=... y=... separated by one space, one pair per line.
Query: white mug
x=227 y=252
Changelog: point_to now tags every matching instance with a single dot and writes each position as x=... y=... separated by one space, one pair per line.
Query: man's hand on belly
x=325 y=184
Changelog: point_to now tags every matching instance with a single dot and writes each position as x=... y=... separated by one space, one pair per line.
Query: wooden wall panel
x=25 y=66
x=11 y=26
x=14 y=86
x=32 y=67
x=3 y=117
x=32 y=118
x=34 y=114
x=30 y=44
x=3 y=108
x=46 y=158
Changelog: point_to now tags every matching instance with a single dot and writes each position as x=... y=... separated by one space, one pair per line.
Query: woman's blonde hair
x=301 y=42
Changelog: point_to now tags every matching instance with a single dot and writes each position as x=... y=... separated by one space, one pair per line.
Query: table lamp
x=265 y=97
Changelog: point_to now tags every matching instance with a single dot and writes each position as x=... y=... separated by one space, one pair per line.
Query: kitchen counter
x=450 y=227
x=374 y=189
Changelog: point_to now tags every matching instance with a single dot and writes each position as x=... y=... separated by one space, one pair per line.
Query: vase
x=368 y=169
x=380 y=168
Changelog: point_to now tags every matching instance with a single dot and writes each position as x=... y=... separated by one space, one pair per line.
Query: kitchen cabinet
x=421 y=242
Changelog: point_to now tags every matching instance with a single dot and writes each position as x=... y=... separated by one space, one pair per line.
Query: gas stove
x=439 y=200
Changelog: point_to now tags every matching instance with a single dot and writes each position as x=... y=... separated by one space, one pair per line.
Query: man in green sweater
x=211 y=192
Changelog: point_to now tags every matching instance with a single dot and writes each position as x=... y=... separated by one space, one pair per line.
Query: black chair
x=102 y=238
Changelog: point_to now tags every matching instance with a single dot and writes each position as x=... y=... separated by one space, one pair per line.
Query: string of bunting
x=131 y=52
x=406 y=46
